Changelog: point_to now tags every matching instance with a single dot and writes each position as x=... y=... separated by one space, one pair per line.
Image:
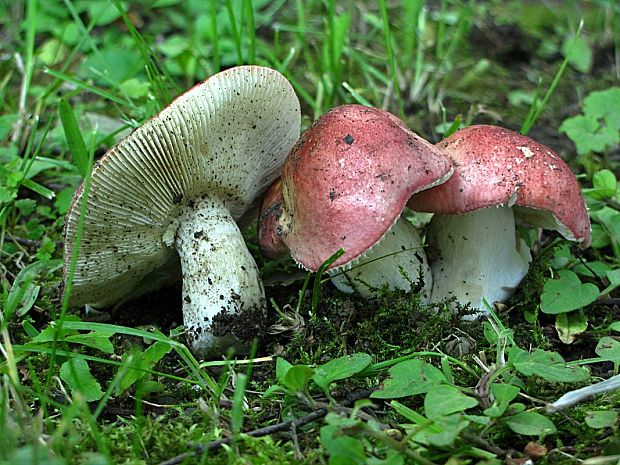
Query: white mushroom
x=174 y=189
x=500 y=177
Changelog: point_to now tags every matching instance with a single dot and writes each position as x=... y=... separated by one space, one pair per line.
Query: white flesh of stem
x=480 y=256
x=395 y=262
x=220 y=277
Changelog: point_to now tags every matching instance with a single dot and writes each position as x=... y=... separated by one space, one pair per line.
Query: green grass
x=75 y=75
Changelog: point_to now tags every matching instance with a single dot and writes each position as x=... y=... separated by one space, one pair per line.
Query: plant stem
x=537 y=109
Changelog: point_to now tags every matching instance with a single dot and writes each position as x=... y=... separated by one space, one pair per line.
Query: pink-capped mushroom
x=345 y=185
x=499 y=175
x=166 y=199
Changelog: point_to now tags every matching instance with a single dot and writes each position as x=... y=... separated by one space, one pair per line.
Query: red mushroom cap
x=269 y=229
x=496 y=166
x=348 y=179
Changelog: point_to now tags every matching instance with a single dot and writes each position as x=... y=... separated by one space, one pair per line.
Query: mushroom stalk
x=220 y=277
x=397 y=260
x=480 y=256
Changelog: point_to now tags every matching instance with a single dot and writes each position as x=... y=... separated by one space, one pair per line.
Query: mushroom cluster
x=164 y=202
x=347 y=180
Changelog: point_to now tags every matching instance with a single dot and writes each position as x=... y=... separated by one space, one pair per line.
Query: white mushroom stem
x=395 y=262
x=480 y=256
x=220 y=277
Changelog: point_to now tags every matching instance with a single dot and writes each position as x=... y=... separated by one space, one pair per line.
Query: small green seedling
x=604 y=185
x=565 y=298
x=410 y=378
x=597 y=129
x=295 y=378
x=566 y=293
x=76 y=373
x=445 y=399
x=530 y=424
x=292 y=378
x=570 y=325
x=340 y=368
x=608 y=348
x=548 y=365
x=24 y=291
x=602 y=419
x=578 y=53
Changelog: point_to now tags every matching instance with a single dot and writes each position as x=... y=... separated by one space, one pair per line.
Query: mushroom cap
x=227 y=137
x=269 y=229
x=347 y=180
x=496 y=166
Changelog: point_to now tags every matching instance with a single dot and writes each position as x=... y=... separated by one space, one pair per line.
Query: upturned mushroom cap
x=347 y=180
x=226 y=139
x=496 y=166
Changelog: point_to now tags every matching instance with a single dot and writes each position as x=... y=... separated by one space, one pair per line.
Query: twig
x=483 y=389
x=611 y=203
x=484 y=444
x=532 y=399
x=348 y=411
x=22 y=241
x=28 y=242
x=400 y=446
x=118 y=411
x=573 y=397
x=283 y=426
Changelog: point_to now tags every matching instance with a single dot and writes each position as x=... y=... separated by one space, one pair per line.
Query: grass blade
x=180 y=348
x=235 y=31
x=238 y=403
x=158 y=76
x=18 y=349
x=71 y=271
x=31 y=26
x=317 y=278
x=356 y=95
x=419 y=66
x=536 y=108
x=95 y=90
x=74 y=137
x=248 y=6
x=215 y=41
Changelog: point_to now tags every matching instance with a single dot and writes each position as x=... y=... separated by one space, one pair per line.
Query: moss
x=392 y=325
x=526 y=301
x=154 y=439
x=578 y=439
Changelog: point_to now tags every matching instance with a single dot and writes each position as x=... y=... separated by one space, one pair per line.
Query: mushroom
x=345 y=185
x=499 y=176
x=164 y=202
